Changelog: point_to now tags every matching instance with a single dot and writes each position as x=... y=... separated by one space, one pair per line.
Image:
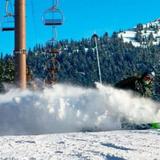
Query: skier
x=141 y=85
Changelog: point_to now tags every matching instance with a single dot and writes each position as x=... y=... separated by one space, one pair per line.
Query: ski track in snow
x=111 y=145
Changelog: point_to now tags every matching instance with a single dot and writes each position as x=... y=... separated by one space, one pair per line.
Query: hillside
x=77 y=63
x=143 y=34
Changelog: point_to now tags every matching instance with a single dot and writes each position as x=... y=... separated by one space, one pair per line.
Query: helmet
x=149 y=76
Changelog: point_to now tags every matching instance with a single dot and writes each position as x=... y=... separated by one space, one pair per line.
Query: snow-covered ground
x=129 y=36
x=111 y=145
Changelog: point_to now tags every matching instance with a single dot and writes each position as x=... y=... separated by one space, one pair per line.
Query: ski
x=143 y=126
x=155 y=125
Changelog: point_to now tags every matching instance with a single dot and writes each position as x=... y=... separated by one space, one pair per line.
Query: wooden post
x=20 y=43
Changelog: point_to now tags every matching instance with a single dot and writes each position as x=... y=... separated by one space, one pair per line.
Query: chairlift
x=8 y=20
x=53 y=51
x=52 y=47
x=53 y=64
x=8 y=23
x=52 y=67
x=53 y=17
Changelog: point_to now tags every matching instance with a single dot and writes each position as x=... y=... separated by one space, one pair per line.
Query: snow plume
x=125 y=104
x=66 y=108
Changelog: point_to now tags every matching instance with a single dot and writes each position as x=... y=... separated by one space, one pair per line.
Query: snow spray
x=67 y=108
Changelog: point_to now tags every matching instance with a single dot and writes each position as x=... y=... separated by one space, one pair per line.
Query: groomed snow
x=111 y=145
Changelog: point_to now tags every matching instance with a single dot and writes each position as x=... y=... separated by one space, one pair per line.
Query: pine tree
x=139 y=27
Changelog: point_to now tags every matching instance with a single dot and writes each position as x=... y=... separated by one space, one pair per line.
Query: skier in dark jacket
x=143 y=85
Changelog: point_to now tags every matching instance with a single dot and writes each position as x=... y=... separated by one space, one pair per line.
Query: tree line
x=78 y=64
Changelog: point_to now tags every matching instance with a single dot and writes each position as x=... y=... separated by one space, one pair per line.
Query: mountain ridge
x=142 y=35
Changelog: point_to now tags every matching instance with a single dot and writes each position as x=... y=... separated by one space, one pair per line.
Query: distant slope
x=143 y=34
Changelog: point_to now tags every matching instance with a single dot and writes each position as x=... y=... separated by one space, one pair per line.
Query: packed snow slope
x=110 y=145
x=66 y=108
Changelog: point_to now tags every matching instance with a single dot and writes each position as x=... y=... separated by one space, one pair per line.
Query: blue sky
x=82 y=19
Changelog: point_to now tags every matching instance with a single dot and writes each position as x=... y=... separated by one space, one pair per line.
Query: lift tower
x=20 y=43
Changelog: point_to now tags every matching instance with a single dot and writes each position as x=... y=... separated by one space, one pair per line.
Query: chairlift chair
x=52 y=47
x=8 y=21
x=7 y=27
x=52 y=67
x=53 y=51
x=53 y=17
x=53 y=22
